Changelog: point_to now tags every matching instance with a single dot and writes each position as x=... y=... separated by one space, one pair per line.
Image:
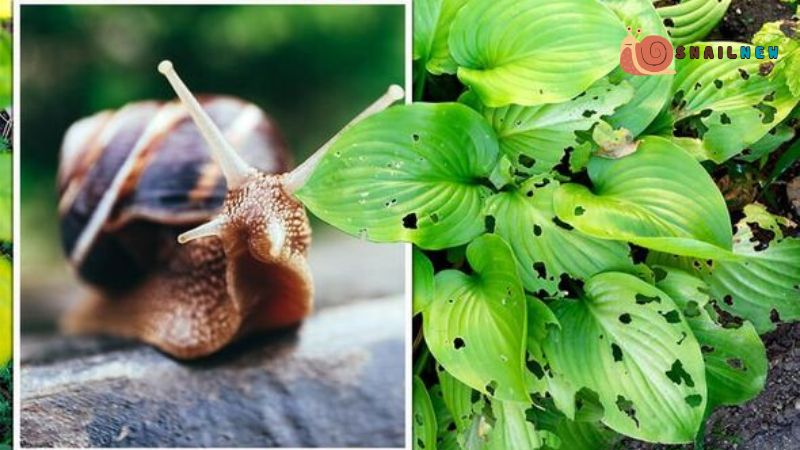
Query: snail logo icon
x=652 y=56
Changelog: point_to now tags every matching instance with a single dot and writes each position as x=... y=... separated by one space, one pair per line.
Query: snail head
x=260 y=209
x=631 y=40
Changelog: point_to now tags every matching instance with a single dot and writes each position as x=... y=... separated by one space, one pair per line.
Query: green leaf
x=544 y=248
x=424 y=425
x=6 y=196
x=627 y=341
x=476 y=325
x=734 y=104
x=769 y=143
x=659 y=197
x=651 y=93
x=692 y=20
x=5 y=69
x=412 y=173
x=459 y=399
x=522 y=48
x=432 y=19
x=763 y=280
x=512 y=429
x=736 y=361
x=534 y=138
x=423 y=288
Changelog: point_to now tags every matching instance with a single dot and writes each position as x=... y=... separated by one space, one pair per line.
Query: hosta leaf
x=769 y=143
x=534 y=138
x=691 y=20
x=736 y=361
x=432 y=19
x=522 y=48
x=651 y=93
x=627 y=341
x=762 y=287
x=423 y=286
x=512 y=429
x=584 y=435
x=6 y=198
x=476 y=325
x=735 y=104
x=411 y=173
x=5 y=69
x=659 y=197
x=6 y=311
x=544 y=247
x=459 y=399
x=424 y=425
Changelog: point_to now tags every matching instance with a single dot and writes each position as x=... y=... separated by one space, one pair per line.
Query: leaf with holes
x=734 y=104
x=534 y=138
x=627 y=341
x=423 y=286
x=424 y=426
x=651 y=94
x=545 y=247
x=736 y=361
x=659 y=197
x=432 y=19
x=522 y=48
x=6 y=310
x=512 y=429
x=476 y=325
x=412 y=173
x=6 y=198
x=691 y=20
x=459 y=399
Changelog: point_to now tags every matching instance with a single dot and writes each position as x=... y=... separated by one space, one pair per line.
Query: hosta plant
x=578 y=274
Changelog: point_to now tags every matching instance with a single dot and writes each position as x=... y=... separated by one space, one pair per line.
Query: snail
x=186 y=252
x=652 y=56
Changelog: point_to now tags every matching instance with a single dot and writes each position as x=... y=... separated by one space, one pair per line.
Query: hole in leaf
x=541 y=271
x=579 y=210
x=616 y=352
x=625 y=318
x=541 y=184
x=459 y=343
x=491 y=387
x=415 y=137
x=589 y=113
x=659 y=274
x=678 y=375
x=410 y=221
x=535 y=368
x=537 y=230
x=743 y=73
x=672 y=316
x=694 y=400
x=766 y=68
x=669 y=22
x=718 y=84
x=434 y=218
x=774 y=316
x=728 y=300
x=683 y=338
x=724 y=119
x=489 y=222
x=626 y=406
x=526 y=161
x=735 y=363
x=707 y=349
x=562 y=224
x=692 y=309
x=642 y=299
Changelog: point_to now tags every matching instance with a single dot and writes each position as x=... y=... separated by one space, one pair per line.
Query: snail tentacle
x=297 y=177
x=235 y=169
x=208 y=229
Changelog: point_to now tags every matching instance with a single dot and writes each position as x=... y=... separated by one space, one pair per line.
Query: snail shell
x=146 y=171
x=652 y=56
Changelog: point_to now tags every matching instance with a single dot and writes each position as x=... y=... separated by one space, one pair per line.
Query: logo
x=651 y=56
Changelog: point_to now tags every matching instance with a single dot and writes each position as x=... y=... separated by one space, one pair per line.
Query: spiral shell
x=653 y=55
x=172 y=183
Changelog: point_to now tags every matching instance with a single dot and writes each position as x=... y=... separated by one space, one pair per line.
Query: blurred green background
x=312 y=68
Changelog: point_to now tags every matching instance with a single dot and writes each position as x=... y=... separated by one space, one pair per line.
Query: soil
x=745 y=17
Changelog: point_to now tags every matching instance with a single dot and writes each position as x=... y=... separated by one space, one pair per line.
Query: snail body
x=652 y=56
x=185 y=251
